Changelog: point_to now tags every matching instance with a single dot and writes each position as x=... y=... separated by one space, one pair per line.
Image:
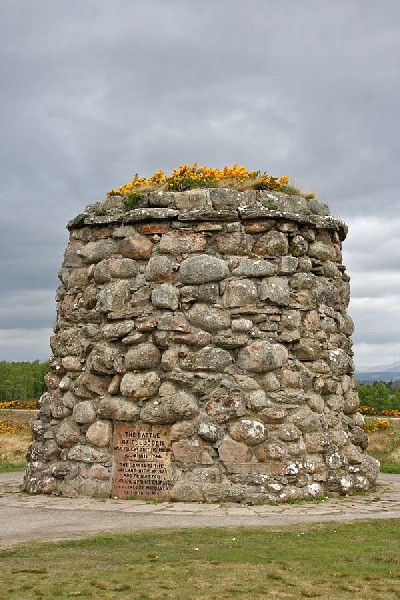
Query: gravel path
x=24 y=517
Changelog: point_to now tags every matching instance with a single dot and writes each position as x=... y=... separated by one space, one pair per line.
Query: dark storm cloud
x=27 y=309
x=95 y=91
x=25 y=344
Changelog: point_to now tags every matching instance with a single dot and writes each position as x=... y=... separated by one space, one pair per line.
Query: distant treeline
x=379 y=395
x=22 y=380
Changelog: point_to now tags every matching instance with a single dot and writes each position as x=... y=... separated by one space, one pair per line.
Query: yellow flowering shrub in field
x=7 y=427
x=372 y=412
x=374 y=425
x=187 y=177
x=20 y=404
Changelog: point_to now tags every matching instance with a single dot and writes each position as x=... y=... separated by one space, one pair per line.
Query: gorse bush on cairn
x=187 y=177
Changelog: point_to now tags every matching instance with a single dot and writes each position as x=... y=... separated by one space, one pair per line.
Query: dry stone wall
x=202 y=352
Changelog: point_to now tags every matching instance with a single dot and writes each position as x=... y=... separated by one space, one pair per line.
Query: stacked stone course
x=223 y=315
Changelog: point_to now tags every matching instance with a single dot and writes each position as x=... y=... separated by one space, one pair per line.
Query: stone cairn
x=210 y=327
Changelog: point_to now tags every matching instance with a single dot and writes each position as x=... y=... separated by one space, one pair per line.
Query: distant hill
x=378 y=373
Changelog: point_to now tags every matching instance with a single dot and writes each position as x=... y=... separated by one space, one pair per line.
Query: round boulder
x=209 y=318
x=262 y=356
x=140 y=385
x=143 y=356
x=249 y=431
x=202 y=269
x=84 y=412
x=99 y=433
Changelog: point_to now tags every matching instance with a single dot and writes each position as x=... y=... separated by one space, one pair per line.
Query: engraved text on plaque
x=141 y=461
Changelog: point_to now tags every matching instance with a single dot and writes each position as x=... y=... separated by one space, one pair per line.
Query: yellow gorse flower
x=374 y=425
x=189 y=176
x=387 y=412
x=20 y=404
x=13 y=428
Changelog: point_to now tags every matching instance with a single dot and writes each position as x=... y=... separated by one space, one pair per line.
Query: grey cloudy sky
x=94 y=91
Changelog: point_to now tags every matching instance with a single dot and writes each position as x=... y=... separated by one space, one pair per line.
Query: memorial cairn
x=202 y=350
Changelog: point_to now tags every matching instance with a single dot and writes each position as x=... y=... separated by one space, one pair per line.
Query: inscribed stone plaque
x=141 y=461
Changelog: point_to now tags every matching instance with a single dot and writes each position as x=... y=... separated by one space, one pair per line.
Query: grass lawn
x=357 y=560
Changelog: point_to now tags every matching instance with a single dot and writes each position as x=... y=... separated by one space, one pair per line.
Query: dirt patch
x=13 y=448
x=15 y=437
x=18 y=417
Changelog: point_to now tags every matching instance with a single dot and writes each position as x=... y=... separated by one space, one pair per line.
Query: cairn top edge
x=211 y=204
